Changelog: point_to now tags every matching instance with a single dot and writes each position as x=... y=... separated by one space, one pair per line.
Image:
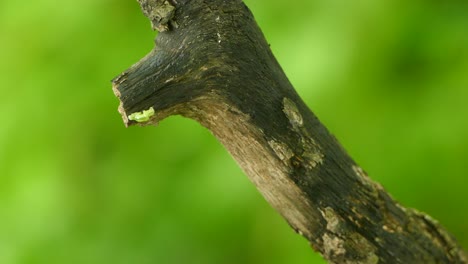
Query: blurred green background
x=388 y=78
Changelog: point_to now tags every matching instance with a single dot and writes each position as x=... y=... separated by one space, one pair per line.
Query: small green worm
x=142 y=116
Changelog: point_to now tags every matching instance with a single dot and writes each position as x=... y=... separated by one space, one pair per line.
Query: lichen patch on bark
x=313 y=158
x=292 y=113
x=333 y=246
x=339 y=243
x=310 y=149
x=332 y=219
x=159 y=12
x=281 y=150
x=356 y=250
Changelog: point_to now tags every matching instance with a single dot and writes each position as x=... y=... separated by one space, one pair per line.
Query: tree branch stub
x=212 y=63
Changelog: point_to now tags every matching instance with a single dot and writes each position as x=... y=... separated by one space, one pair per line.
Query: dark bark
x=211 y=63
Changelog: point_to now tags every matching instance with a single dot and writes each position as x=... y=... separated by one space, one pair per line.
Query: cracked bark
x=212 y=63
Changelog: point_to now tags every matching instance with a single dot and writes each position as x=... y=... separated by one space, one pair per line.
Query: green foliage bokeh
x=388 y=78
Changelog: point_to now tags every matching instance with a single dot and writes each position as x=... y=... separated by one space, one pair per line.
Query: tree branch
x=212 y=63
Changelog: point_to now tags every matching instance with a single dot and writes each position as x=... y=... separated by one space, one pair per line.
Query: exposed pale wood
x=211 y=63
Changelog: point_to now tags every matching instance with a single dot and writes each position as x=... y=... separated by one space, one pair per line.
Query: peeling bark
x=211 y=63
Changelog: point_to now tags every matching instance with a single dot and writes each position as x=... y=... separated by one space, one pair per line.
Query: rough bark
x=211 y=63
